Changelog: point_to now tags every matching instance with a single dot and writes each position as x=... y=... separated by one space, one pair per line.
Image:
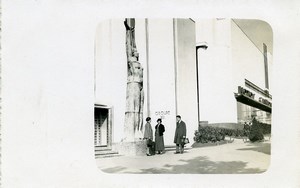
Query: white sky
x=258 y=32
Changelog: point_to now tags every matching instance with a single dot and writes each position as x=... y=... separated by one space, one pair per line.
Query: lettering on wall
x=162 y=113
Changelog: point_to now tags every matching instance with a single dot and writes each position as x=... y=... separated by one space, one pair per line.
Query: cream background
x=47 y=74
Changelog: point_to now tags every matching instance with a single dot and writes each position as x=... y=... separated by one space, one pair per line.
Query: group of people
x=157 y=145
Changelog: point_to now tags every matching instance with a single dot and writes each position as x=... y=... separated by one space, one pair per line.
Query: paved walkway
x=236 y=157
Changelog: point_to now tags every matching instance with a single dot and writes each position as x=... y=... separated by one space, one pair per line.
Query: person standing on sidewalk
x=159 y=137
x=148 y=136
x=180 y=133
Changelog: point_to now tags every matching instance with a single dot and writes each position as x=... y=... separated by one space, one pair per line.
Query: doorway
x=102 y=127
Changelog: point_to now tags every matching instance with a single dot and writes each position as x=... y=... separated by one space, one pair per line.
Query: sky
x=258 y=32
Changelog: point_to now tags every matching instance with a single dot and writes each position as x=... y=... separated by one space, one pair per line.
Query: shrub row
x=254 y=131
x=207 y=134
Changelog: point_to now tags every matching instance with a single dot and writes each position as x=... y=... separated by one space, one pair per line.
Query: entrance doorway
x=103 y=126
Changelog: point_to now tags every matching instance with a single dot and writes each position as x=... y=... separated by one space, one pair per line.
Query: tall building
x=213 y=72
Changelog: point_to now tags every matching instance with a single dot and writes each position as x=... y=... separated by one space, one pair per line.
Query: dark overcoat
x=159 y=138
x=148 y=133
x=179 y=132
x=161 y=129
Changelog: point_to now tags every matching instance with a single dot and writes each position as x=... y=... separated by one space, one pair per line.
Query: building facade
x=208 y=71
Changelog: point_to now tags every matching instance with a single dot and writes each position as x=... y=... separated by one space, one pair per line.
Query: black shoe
x=148 y=154
x=176 y=152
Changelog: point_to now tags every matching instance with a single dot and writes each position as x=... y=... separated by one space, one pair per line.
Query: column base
x=135 y=148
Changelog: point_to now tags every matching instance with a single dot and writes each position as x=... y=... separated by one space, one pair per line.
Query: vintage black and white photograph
x=149 y=94
x=178 y=95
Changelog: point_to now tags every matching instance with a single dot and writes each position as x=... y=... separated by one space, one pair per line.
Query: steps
x=102 y=152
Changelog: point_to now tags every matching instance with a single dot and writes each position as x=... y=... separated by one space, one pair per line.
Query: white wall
x=248 y=63
x=186 y=74
x=217 y=103
x=248 y=60
x=230 y=58
x=111 y=71
x=162 y=75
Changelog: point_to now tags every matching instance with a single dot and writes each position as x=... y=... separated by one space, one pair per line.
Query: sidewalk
x=236 y=157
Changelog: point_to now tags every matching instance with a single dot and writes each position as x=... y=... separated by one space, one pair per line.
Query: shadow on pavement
x=113 y=169
x=259 y=147
x=201 y=165
x=198 y=165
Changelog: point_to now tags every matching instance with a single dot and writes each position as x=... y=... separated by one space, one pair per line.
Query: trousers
x=180 y=148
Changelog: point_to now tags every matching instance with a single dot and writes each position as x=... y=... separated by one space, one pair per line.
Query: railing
x=257 y=89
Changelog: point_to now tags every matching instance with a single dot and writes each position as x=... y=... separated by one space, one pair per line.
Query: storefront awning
x=251 y=102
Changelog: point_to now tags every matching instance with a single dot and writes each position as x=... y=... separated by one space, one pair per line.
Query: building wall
x=248 y=63
x=110 y=77
x=170 y=56
x=229 y=59
x=160 y=91
x=186 y=81
x=248 y=60
x=162 y=75
x=172 y=86
x=217 y=103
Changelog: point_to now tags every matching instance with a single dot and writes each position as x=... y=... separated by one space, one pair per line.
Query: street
x=232 y=158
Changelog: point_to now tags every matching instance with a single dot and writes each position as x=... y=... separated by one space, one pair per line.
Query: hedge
x=254 y=131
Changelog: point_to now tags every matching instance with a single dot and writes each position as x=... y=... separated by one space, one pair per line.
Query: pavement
x=232 y=158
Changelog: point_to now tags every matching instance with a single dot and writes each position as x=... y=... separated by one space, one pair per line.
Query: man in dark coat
x=180 y=133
